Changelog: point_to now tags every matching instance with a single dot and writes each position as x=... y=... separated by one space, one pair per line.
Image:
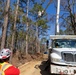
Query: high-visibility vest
x=3 y=67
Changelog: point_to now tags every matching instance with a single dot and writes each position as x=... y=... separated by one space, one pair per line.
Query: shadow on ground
x=45 y=68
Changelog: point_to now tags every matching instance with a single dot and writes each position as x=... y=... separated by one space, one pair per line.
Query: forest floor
x=19 y=59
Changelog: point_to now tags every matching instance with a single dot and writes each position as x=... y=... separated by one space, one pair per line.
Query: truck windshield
x=64 y=43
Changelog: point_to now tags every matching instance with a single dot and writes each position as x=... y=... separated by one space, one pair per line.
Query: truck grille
x=69 y=56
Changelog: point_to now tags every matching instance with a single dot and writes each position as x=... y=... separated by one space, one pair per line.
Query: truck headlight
x=55 y=57
x=55 y=60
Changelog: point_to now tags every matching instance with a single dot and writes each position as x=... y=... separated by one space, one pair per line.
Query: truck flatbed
x=63 y=36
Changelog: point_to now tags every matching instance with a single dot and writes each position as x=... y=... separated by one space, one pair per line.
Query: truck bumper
x=63 y=70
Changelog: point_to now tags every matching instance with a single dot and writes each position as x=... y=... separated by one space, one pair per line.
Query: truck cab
x=63 y=54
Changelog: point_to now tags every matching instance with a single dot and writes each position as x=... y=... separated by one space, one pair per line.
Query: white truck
x=63 y=54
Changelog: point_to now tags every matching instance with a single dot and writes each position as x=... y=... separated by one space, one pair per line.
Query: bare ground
x=34 y=68
x=31 y=64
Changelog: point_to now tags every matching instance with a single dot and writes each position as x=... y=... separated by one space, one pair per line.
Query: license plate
x=63 y=69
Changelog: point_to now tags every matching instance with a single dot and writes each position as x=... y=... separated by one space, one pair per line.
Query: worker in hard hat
x=5 y=67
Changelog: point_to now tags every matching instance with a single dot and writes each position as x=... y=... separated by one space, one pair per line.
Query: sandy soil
x=34 y=68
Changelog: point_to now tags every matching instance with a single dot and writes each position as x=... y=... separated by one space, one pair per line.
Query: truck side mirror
x=47 y=44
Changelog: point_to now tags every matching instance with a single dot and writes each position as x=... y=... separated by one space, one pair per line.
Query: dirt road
x=34 y=68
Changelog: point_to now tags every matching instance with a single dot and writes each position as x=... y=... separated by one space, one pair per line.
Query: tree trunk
x=14 y=30
x=14 y=27
x=5 y=24
x=27 y=30
x=37 y=40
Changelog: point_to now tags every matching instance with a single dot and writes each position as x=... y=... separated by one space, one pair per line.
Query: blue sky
x=52 y=11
